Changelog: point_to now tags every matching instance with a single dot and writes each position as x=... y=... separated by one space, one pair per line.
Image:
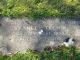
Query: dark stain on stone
x=66 y=40
x=0 y=24
x=8 y=48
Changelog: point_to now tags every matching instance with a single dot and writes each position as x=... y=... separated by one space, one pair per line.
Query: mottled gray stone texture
x=22 y=34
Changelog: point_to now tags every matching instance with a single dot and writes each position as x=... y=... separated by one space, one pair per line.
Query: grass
x=59 y=53
x=35 y=9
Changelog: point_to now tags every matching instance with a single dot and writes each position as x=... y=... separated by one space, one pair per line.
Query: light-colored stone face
x=21 y=34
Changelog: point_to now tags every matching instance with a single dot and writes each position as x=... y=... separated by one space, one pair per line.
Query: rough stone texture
x=21 y=34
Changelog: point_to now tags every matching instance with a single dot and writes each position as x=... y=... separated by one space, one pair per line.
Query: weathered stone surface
x=21 y=34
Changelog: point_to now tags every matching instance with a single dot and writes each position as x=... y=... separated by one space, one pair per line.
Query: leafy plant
x=40 y=8
x=57 y=53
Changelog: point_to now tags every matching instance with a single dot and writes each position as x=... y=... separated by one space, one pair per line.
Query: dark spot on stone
x=0 y=24
x=73 y=40
x=47 y=48
x=27 y=22
x=36 y=51
x=66 y=40
x=8 y=48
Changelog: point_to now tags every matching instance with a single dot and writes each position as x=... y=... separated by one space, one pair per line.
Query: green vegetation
x=40 y=8
x=59 y=53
